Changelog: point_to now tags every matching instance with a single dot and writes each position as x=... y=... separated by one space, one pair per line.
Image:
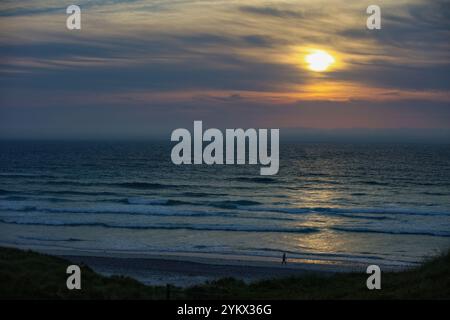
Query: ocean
x=334 y=204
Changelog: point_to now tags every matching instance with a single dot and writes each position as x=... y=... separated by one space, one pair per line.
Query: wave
x=233 y=204
x=49 y=199
x=51 y=239
x=202 y=194
x=314 y=174
x=160 y=202
x=373 y=183
x=142 y=205
x=320 y=182
x=15 y=198
x=436 y=193
x=348 y=211
x=395 y=232
x=255 y=179
x=434 y=183
x=81 y=193
x=313 y=210
x=128 y=185
x=71 y=183
x=157 y=210
x=143 y=185
x=111 y=209
x=175 y=226
x=394 y=211
x=27 y=175
x=37 y=195
x=56 y=200
x=226 y=204
x=278 y=209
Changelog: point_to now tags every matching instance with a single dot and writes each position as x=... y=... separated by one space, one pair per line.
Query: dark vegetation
x=31 y=275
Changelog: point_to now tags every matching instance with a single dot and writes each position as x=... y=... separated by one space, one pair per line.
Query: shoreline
x=188 y=269
x=33 y=275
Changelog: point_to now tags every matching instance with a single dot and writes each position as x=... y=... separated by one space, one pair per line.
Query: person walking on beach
x=283 y=261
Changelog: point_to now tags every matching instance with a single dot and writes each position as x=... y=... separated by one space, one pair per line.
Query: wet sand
x=187 y=269
x=183 y=270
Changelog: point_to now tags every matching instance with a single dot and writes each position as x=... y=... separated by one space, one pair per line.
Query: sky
x=144 y=68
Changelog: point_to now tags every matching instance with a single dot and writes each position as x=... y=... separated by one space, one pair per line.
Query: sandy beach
x=166 y=270
x=187 y=269
x=29 y=274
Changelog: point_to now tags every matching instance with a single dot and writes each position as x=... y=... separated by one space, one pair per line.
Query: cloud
x=31 y=8
x=229 y=61
x=415 y=27
x=272 y=12
x=218 y=71
x=261 y=41
x=396 y=76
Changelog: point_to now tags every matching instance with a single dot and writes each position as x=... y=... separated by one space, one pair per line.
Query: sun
x=319 y=60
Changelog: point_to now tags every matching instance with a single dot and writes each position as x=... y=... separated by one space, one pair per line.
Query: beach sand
x=187 y=269
x=180 y=272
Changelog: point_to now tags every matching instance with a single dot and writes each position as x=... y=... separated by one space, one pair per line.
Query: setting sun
x=319 y=60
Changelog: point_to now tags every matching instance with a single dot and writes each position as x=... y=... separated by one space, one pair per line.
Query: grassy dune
x=31 y=275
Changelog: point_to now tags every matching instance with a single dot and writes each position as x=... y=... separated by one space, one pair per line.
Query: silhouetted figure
x=284 y=258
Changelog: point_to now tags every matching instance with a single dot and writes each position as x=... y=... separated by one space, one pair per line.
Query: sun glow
x=319 y=60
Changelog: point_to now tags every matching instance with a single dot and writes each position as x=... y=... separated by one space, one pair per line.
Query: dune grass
x=31 y=275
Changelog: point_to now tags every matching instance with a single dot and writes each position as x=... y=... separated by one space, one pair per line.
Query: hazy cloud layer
x=145 y=67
